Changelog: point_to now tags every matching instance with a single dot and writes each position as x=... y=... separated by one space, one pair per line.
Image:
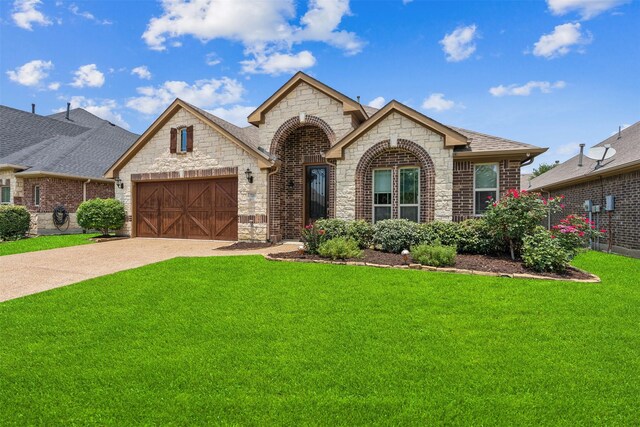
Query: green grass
x=42 y=243
x=246 y=341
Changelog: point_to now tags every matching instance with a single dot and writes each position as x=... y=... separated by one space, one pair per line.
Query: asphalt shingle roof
x=20 y=130
x=85 y=145
x=627 y=152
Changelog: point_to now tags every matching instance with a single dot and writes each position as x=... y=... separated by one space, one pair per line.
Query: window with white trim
x=485 y=186
x=382 y=184
x=5 y=194
x=410 y=194
x=36 y=195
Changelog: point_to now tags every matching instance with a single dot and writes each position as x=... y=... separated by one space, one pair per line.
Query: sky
x=552 y=73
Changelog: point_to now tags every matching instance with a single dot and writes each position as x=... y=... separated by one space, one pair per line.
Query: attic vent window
x=181 y=139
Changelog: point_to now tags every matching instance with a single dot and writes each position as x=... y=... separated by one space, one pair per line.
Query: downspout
x=269 y=175
x=84 y=190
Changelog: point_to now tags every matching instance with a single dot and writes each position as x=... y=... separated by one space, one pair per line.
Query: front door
x=316 y=193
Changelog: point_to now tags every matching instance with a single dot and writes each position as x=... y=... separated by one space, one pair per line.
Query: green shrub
x=446 y=232
x=541 y=251
x=476 y=237
x=339 y=248
x=333 y=227
x=14 y=222
x=101 y=214
x=394 y=235
x=362 y=232
x=434 y=255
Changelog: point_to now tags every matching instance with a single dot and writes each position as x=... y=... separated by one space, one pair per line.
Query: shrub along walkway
x=30 y=273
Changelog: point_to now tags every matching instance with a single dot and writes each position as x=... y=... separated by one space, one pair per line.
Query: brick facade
x=623 y=225
x=382 y=155
x=66 y=192
x=508 y=178
x=297 y=149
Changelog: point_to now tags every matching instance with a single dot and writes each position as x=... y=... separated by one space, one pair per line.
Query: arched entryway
x=404 y=155
x=303 y=188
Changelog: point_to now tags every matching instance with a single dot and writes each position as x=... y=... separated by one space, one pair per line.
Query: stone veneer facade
x=396 y=127
x=211 y=151
x=299 y=129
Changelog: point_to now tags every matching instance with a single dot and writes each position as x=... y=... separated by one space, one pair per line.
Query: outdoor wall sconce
x=119 y=183
x=291 y=184
x=249 y=175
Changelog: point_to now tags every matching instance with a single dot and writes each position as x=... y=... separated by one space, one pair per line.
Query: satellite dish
x=601 y=153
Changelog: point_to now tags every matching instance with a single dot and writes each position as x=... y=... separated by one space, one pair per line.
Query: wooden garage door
x=202 y=209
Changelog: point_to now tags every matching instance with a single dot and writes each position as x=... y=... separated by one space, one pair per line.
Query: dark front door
x=316 y=190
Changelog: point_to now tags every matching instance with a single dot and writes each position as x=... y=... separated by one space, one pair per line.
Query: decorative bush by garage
x=101 y=214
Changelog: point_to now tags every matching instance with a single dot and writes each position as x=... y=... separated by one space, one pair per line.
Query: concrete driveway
x=33 y=272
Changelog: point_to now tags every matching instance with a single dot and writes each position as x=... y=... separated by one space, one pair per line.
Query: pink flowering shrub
x=574 y=232
x=313 y=236
x=517 y=214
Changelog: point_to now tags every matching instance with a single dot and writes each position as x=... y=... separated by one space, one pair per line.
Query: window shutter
x=190 y=139
x=173 y=145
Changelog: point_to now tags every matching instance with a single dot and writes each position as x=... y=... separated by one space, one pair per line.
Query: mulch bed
x=237 y=246
x=493 y=264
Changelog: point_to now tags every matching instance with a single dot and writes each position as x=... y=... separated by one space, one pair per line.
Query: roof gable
x=233 y=133
x=451 y=137
x=349 y=105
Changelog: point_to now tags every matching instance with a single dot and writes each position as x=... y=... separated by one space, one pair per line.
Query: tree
x=543 y=167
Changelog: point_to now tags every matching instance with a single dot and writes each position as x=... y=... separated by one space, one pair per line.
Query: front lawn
x=41 y=243
x=240 y=340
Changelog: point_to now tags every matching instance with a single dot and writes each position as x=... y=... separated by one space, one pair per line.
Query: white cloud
x=25 y=14
x=459 y=44
x=106 y=109
x=202 y=93
x=88 y=75
x=265 y=28
x=437 y=102
x=212 y=59
x=586 y=8
x=278 y=63
x=31 y=73
x=87 y=15
x=560 y=41
x=53 y=86
x=377 y=102
x=142 y=72
x=526 y=89
x=236 y=114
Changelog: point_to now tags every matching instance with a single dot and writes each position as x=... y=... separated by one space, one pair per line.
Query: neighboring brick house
x=309 y=152
x=581 y=179
x=57 y=160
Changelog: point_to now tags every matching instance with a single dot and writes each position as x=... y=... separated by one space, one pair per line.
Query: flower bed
x=470 y=264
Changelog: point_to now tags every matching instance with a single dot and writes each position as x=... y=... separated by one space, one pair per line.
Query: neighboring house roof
x=20 y=129
x=627 y=157
x=348 y=104
x=524 y=181
x=83 y=146
x=247 y=140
